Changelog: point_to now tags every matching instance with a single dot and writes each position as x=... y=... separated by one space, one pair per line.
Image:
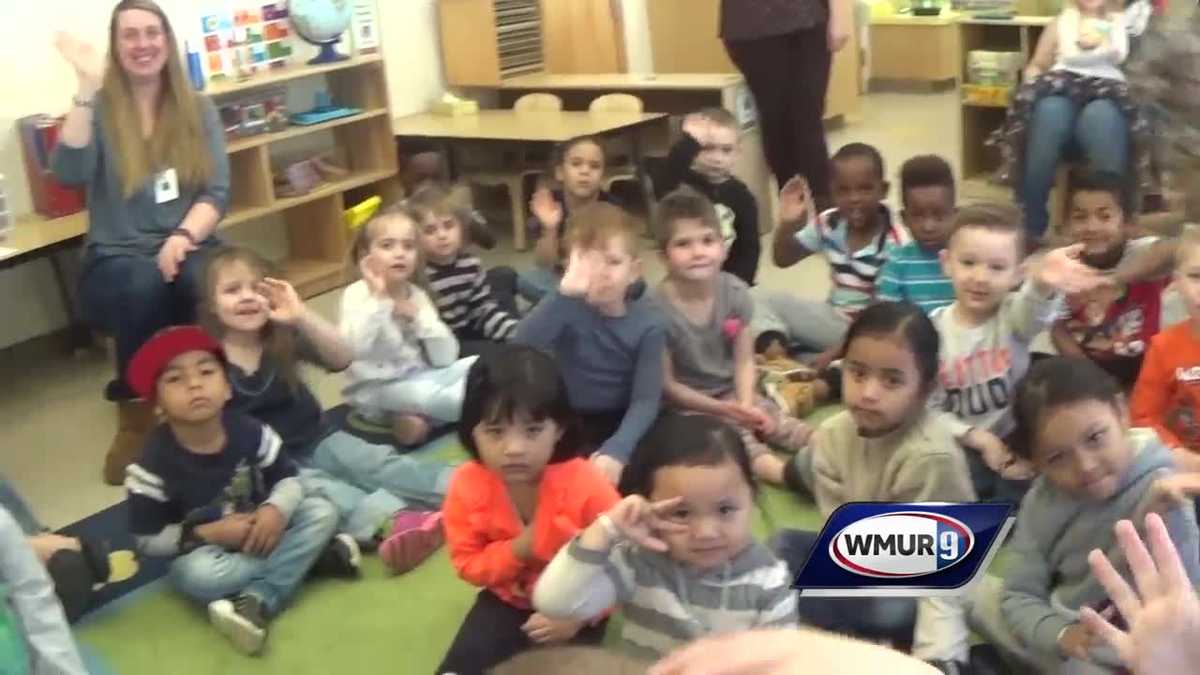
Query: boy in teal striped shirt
x=913 y=272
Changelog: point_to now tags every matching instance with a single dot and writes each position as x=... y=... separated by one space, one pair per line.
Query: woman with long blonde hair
x=151 y=153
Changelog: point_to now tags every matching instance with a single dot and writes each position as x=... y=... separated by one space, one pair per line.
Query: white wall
x=35 y=80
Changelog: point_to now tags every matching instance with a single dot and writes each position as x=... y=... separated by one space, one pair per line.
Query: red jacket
x=1167 y=394
x=481 y=521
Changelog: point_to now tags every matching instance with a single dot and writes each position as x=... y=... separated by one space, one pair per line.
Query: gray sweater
x=138 y=226
x=1050 y=579
x=609 y=363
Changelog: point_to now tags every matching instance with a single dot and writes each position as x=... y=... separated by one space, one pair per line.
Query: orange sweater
x=481 y=522
x=1167 y=394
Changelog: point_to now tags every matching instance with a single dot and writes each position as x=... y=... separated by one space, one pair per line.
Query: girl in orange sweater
x=525 y=495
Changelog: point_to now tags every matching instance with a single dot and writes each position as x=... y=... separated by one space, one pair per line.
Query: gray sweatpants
x=810 y=325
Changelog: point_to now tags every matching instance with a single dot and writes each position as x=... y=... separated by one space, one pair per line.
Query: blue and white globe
x=321 y=23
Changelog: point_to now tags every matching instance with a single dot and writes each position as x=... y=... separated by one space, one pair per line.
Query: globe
x=321 y=23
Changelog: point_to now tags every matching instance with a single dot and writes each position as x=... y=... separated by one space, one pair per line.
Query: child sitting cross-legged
x=987 y=331
x=406 y=368
x=610 y=347
x=856 y=238
x=709 y=366
x=524 y=495
x=886 y=446
x=1111 y=325
x=1094 y=470
x=677 y=554
x=479 y=307
x=215 y=490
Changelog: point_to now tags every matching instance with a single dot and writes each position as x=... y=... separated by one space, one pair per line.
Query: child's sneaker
x=341 y=558
x=242 y=621
x=415 y=536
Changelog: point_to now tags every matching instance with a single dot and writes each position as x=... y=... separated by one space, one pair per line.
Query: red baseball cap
x=153 y=357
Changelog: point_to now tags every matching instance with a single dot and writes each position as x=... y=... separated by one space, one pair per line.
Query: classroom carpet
x=378 y=623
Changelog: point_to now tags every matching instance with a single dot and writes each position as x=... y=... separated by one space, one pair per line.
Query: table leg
x=78 y=335
x=643 y=180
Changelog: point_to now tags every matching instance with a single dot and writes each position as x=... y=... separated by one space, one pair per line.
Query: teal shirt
x=914 y=274
x=138 y=225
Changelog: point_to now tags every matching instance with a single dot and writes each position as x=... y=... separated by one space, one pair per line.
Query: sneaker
x=242 y=620
x=479 y=231
x=415 y=536
x=341 y=558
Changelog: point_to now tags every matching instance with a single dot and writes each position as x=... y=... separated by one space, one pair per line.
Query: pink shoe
x=415 y=536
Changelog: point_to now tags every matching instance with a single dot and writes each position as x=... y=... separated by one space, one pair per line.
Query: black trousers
x=788 y=75
x=491 y=634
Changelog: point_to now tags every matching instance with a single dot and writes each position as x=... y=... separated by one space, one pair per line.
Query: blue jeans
x=369 y=482
x=210 y=572
x=125 y=296
x=1098 y=133
x=436 y=393
x=871 y=618
x=537 y=282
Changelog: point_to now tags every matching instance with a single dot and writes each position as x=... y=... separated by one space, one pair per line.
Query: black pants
x=491 y=634
x=788 y=75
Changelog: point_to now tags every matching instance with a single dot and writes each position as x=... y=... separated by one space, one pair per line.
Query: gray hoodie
x=1050 y=578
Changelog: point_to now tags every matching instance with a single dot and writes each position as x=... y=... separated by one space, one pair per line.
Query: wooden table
x=539 y=128
x=674 y=93
x=34 y=237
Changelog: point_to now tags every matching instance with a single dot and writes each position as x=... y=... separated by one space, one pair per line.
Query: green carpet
x=376 y=624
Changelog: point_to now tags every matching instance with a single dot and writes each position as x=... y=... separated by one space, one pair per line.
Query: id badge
x=166 y=187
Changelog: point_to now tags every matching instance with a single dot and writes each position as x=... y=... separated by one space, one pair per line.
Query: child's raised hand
x=284 y=305
x=1063 y=270
x=697 y=126
x=404 y=308
x=577 y=277
x=1163 y=614
x=546 y=208
x=997 y=455
x=1172 y=492
x=644 y=523
x=372 y=267
x=795 y=200
x=543 y=630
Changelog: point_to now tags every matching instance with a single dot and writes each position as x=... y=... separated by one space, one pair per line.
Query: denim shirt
x=137 y=225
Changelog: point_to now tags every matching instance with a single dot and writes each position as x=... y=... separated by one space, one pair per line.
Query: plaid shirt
x=753 y=19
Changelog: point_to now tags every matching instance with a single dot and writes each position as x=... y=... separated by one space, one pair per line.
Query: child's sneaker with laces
x=242 y=620
x=341 y=558
x=415 y=536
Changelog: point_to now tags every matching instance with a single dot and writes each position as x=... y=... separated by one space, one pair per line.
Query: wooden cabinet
x=486 y=42
x=685 y=38
x=914 y=50
x=318 y=240
x=980 y=119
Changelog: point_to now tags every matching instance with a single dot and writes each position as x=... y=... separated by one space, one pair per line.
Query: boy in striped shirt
x=856 y=237
x=914 y=273
x=478 y=314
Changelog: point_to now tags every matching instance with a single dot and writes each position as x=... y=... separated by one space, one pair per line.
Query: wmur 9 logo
x=903 y=549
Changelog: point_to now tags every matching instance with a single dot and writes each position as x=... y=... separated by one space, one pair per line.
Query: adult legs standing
x=788 y=75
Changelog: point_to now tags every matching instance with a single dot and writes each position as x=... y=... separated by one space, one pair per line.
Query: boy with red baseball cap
x=213 y=489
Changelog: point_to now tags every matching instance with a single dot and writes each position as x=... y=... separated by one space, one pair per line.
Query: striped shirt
x=853 y=272
x=464 y=300
x=914 y=274
x=665 y=604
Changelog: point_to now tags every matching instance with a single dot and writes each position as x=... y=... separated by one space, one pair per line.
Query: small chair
x=621 y=167
x=514 y=167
